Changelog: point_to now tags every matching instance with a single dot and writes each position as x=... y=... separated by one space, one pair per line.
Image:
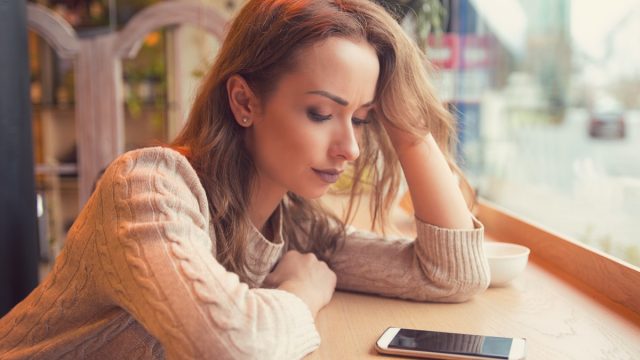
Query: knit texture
x=138 y=277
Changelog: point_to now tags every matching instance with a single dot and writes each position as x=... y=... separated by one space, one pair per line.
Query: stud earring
x=245 y=120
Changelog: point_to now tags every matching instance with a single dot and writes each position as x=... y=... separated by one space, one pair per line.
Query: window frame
x=609 y=277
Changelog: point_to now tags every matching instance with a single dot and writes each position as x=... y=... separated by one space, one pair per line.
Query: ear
x=242 y=100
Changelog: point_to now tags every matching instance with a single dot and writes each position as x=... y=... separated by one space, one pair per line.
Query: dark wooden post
x=18 y=224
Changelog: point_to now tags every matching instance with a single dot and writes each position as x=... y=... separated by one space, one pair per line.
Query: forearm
x=298 y=290
x=435 y=193
x=442 y=265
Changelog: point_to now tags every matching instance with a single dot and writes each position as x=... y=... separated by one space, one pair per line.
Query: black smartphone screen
x=451 y=343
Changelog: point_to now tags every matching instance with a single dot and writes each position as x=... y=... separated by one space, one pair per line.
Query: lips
x=328 y=175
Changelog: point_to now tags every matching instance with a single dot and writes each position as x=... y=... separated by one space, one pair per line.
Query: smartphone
x=443 y=345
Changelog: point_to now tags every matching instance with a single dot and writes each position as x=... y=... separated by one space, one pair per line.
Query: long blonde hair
x=261 y=45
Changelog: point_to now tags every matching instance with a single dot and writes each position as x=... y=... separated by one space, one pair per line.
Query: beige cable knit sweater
x=138 y=277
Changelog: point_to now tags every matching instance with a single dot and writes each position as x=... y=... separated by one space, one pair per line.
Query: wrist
x=298 y=290
x=402 y=140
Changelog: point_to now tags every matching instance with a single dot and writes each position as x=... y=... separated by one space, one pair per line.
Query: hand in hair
x=401 y=139
x=306 y=277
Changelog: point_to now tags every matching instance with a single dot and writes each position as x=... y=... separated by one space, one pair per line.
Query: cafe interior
x=546 y=96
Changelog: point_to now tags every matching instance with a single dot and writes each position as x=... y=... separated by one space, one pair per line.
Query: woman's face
x=308 y=129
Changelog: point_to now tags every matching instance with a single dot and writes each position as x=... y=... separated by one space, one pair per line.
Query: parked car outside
x=607 y=121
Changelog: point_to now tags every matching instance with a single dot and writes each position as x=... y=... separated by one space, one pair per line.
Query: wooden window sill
x=612 y=281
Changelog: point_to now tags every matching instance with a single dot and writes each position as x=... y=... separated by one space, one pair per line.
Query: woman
x=212 y=248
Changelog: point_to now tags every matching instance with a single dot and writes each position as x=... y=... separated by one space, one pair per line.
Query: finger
x=310 y=256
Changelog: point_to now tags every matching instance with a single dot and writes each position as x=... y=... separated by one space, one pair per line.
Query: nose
x=345 y=144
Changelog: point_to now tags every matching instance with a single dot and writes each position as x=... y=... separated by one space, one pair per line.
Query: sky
x=605 y=34
x=593 y=20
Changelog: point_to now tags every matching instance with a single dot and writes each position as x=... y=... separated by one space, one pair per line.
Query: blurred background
x=546 y=93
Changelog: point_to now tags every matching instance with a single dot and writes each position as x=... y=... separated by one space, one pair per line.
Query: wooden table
x=560 y=319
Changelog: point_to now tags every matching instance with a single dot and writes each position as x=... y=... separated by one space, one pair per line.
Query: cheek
x=289 y=140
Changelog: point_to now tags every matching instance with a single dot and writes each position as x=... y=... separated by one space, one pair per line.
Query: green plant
x=429 y=15
x=147 y=72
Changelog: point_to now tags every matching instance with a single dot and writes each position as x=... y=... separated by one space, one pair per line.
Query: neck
x=264 y=201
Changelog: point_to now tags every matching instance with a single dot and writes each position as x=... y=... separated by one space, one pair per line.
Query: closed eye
x=316 y=116
x=358 y=122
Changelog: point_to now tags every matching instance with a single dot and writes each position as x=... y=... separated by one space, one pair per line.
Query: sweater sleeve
x=156 y=256
x=441 y=265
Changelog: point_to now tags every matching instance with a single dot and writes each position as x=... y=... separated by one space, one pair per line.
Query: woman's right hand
x=305 y=276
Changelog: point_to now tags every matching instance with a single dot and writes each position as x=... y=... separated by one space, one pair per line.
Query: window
x=160 y=83
x=548 y=102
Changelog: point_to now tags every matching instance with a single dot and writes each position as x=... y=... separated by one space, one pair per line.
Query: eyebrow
x=335 y=98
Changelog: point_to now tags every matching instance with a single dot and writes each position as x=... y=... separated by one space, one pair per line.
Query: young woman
x=213 y=247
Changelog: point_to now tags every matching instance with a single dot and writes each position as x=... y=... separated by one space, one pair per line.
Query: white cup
x=506 y=261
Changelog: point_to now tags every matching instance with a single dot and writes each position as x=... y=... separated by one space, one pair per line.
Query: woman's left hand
x=401 y=139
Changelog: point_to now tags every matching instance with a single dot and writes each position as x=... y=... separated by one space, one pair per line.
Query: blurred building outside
x=525 y=144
